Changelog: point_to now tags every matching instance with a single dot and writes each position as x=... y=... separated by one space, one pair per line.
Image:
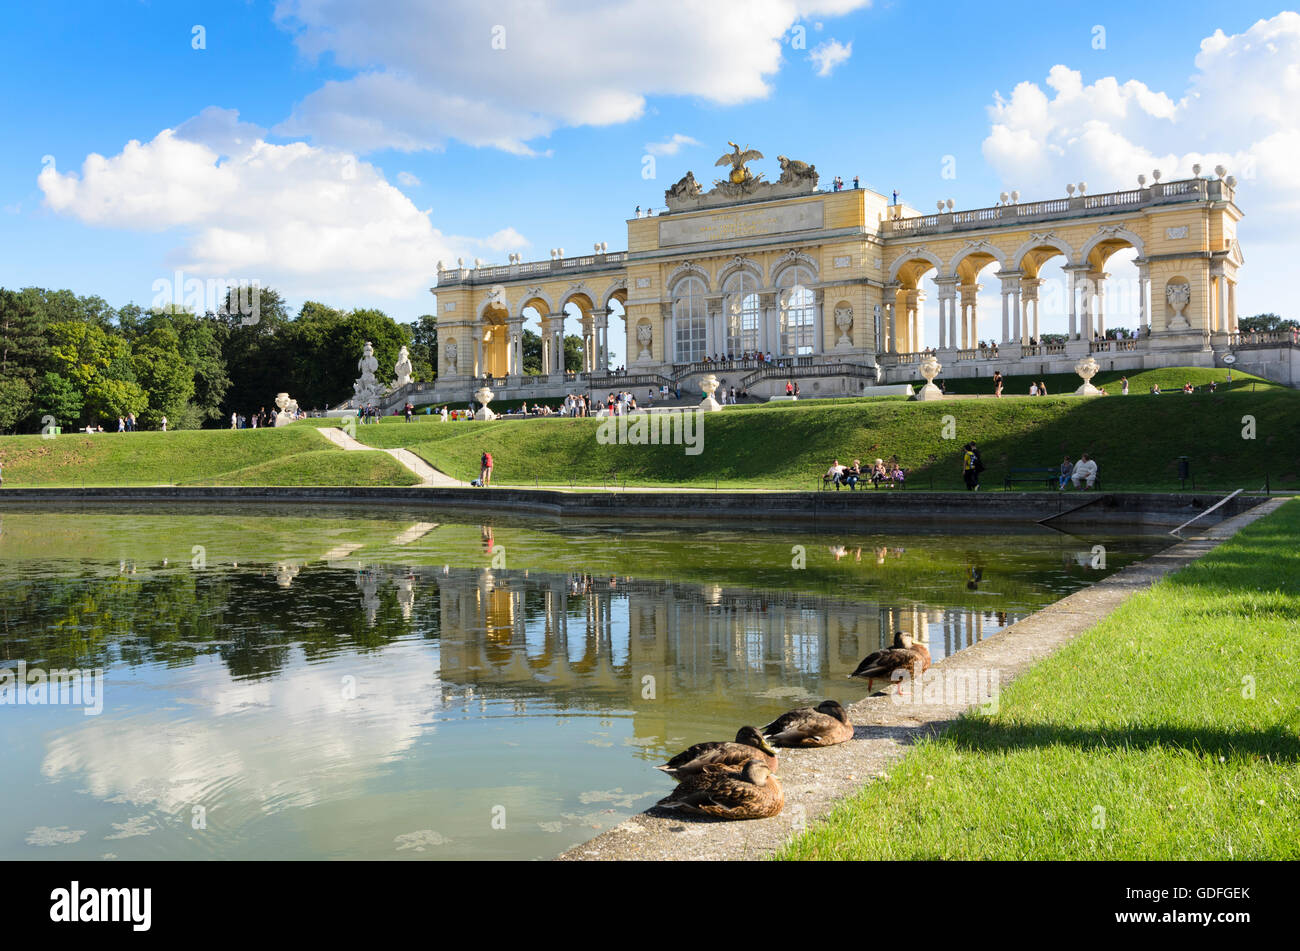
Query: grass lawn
x=1170 y=379
x=1139 y=740
x=1137 y=440
x=321 y=467
x=286 y=456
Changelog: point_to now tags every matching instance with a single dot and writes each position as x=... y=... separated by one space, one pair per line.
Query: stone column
x=1232 y=306
x=1085 y=325
x=666 y=338
x=947 y=313
x=478 y=352
x=1144 y=294
x=970 y=315
x=1006 y=310
x=819 y=323
x=1220 y=323
x=555 y=331
x=891 y=295
x=1101 y=302
x=1029 y=324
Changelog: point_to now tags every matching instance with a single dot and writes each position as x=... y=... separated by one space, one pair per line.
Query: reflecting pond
x=315 y=682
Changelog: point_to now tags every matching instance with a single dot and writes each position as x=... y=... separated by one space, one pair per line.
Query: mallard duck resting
x=749 y=745
x=824 y=725
x=906 y=654
x=728 y=792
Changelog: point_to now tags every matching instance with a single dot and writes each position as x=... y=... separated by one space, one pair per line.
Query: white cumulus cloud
x=1241 y=109
x=304 y=219
x=826 y=56
x=505 y=74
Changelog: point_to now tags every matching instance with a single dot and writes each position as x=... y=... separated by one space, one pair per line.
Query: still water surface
x=289 y=682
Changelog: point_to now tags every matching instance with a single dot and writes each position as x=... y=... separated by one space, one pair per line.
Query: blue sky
x=417 y=139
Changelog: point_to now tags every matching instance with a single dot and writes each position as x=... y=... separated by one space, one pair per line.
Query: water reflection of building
x=504 y=629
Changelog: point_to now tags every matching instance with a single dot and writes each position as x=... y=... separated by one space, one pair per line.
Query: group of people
x=891 y=474
x=837 y=183
x=258 y=420
x=1082 y=474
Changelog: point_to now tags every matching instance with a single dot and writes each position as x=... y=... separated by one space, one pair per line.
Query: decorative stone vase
x=930 y=368
x=1179 y=296
x=709 y=385
x=844 y=323
x=288 y=408
x=644 y=335
x=484 y=396
x=1087 y=368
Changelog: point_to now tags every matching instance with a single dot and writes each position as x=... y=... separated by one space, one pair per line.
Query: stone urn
x=844 y=323
x=644 y=336
x=288 y=408
x=1179 y=296
x=484 y=396
x=1087 y=368
x=709 y=386
x=930 y=368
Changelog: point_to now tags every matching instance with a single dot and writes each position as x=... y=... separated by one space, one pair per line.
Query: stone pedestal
x=484 y=396
x=929 y=370
x=710 y=386
x=1087 y=368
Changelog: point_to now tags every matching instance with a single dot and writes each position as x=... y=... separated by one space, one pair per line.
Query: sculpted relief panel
x=729 y=226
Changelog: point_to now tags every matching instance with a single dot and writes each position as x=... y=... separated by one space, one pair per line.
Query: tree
x=57 y=396
x=424 y=348
x=1262 y=323
x=107 y=399
x=573 y=353
x=15 y=402
x=532 y=346
x=164 y=375
x=23 y=347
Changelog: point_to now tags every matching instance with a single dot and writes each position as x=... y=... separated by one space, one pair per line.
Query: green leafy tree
x=15 y=402
x=424 y=348
x=532 y=346
x=107 y=399
x=57 y=396
x=163 y=373
x=24 y=348
x=573 y=353
x=1262 y=323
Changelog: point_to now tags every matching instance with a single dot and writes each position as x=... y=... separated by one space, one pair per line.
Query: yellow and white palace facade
x=831 y=284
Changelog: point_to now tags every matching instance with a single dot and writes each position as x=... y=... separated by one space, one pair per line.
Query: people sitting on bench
x=899 y=475
x=1067 y=470
x=1085 y=471
x=878 y=473
x=852 y=475
x=834 y=475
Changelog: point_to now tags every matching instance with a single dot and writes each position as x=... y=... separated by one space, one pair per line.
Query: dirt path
x=428 y=475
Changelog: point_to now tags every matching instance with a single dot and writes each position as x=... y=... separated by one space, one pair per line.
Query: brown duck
x=749 y=745
x=824 y=725
x=906 y=654
x=751 y=791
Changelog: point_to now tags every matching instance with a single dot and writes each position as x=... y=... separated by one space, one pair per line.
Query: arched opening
x=744 y=314
x=615 y=334
x=533 y=331
x=494 y=357
x=799 y=322
x=577 y=332
x=690 y=320
x=1116 y=286
x=906 y=322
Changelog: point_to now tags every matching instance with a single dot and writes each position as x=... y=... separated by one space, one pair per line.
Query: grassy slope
x=322 y=467
x=1140 y=381
x=180 y=457
x=1137 y=439
x=1143 y=716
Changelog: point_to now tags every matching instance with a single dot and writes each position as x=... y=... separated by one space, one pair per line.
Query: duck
x=906 y=654
x=749 y=744
x=826 y=724
x=751 y=791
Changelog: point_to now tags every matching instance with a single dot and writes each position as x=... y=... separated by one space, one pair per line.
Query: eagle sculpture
x=737 y=158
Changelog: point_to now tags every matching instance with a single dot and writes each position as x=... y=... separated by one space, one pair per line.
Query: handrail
x=1223 y=501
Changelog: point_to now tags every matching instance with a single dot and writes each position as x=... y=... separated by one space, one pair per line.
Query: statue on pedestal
x=402 y=369
x=367 y=391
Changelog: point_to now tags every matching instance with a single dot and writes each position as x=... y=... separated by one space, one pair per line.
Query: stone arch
x=1031 y=252
x=735 y=266
x=616 y=291
x=538 y=299
x=496 y=300
x=793 y=259
x=580 y=296
x=684 y=270
x=1107 y=241
x=914 y=256
x=984 y=253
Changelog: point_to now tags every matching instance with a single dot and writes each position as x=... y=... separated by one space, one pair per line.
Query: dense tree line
x=80 y=361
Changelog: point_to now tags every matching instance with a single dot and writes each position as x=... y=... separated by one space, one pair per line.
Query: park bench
x=1049 y=476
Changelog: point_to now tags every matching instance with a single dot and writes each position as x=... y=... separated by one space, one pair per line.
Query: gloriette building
x=831 y=284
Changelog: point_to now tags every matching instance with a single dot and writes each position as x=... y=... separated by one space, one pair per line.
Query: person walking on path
x=971 y=466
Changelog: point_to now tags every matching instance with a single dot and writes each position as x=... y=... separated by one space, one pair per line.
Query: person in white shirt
x=1033 y=389
x=1085 y=471
x=164 y=424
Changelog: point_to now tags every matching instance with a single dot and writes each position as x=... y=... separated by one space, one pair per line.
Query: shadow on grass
x=1276 y=743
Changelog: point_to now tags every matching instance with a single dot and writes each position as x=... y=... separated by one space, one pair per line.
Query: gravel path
x=429 y=476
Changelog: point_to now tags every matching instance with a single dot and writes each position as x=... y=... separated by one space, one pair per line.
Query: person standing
x=997 y=383
x=485 y=473
x=164 y=424
x=971 y=466
x=1123 y=386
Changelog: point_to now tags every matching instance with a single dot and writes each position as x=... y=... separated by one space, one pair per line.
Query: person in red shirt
x=485 y=476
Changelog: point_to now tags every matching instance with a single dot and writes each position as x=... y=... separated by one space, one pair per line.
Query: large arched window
x=689 y=320
x=743 y=313
x=798 y=311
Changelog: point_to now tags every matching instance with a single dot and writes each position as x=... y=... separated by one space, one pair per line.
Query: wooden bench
x=1049 y=476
